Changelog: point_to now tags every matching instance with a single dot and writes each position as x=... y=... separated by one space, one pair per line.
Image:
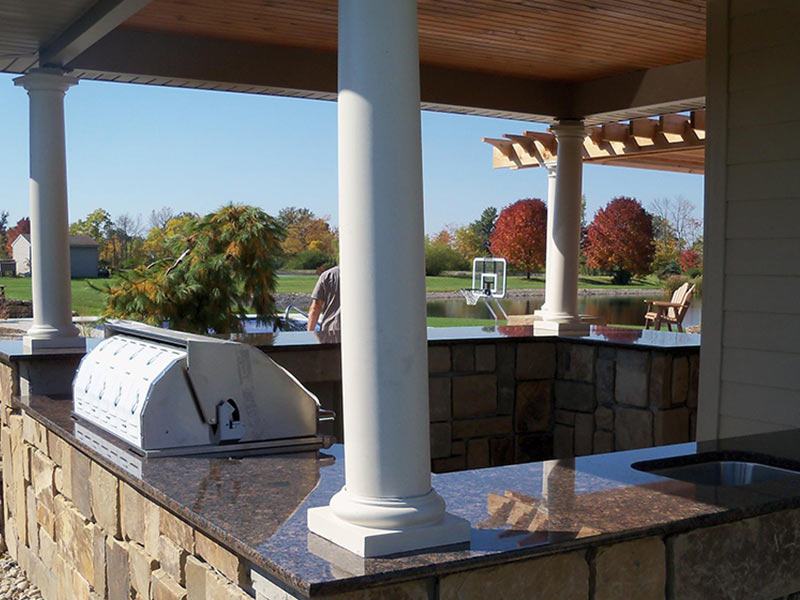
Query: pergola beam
x=673 y=141
x=87 y=30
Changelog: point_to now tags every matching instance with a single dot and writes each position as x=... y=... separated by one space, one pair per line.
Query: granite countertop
x=257 y=505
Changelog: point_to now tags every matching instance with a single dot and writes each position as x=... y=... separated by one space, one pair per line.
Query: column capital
x=569 y=128
x=552 y=167
x=46 y=79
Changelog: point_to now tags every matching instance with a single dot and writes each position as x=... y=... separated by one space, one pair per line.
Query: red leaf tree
x=520 y=235
x=620 y=238
x=22 y=226
x=690 y=259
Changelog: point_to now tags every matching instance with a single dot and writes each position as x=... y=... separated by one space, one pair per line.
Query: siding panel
x=763 y=257
x=759 y=181
x=768 y=404
x=762 y=294
x=777 y=218
x=762 y=331
x=760 y=368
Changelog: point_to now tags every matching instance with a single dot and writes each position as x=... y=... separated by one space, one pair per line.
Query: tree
x=483 y=228
x=3 y=233
x=159 y=218
x=303 y=228
x=22 y=226
x=520 y=235
x=468 y=243
x=226 y=263
x=691 y=260
x=159 y=243
x=676 y=217
x=620 y=239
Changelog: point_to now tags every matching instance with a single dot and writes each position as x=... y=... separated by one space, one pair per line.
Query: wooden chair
x=669 y=313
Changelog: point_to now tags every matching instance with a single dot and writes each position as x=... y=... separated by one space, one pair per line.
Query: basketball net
x=472 y=296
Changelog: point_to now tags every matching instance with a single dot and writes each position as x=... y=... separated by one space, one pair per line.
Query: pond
x=616 y=310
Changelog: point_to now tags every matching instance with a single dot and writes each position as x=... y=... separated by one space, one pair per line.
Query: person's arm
x=313 y=314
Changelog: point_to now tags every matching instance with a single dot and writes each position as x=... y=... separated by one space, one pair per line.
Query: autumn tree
x=303 y=228
x=520 y=235
x=224 y=266
x=22 y=226
x=468 y=243
x=3 y=233
x=620 y=239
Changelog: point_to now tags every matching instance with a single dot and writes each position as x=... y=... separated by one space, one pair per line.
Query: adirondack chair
x=670 y=313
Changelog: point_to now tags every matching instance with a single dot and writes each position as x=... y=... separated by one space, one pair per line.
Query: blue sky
x=132 y=149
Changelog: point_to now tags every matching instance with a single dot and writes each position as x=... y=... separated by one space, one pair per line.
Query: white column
x=50 y=277
x=387 y=504
x=560 y=310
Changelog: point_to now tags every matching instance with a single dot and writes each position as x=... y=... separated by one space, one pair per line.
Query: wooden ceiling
x=563 y=40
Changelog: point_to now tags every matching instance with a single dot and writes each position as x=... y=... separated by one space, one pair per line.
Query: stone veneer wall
x=80 y=533
x=518 y=400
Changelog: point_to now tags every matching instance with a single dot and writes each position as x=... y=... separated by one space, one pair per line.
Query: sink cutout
x=715 y=471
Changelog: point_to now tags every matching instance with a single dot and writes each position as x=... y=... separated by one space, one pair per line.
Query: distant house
x=83 y=255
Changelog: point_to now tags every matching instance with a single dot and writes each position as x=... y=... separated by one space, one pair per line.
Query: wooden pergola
x=672 y=142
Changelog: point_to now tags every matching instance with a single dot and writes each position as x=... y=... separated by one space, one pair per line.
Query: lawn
x=89 y=301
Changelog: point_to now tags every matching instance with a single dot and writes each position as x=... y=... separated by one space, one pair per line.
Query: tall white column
x=50 y=276
x=387 y=504
x=560 y=310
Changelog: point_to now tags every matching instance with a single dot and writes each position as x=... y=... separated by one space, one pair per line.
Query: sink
x=717 y=472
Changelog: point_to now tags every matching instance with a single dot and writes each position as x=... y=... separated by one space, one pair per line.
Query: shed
x=83 y=255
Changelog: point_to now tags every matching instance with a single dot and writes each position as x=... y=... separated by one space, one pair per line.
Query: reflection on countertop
x=257 y=505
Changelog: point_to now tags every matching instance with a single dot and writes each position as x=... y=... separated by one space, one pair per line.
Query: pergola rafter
x=672 y=142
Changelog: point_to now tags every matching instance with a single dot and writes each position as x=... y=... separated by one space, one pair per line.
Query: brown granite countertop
x=257 y=505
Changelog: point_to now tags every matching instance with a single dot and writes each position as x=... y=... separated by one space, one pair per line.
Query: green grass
x=88 y=301
x=457 y=322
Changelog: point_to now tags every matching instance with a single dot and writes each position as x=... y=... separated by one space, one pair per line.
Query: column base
x=573 y=327
x=370 y=542
x=32 y=343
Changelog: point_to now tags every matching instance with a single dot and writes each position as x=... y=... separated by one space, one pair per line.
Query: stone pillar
x=387 y=504
x=50 y=277
x=560 y=310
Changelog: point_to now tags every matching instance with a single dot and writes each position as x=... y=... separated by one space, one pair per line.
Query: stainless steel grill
x=167 y=392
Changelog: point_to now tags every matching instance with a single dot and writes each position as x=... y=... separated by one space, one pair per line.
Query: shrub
x=671 y=268
x=691 y=259
x=440 y=257
x=308 y=259
x=673 y=282
x=697 y=282
x=621 y=277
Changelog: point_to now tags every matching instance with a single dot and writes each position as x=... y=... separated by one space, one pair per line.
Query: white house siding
x=83 y=262
x=750 y=365
x=21 y=249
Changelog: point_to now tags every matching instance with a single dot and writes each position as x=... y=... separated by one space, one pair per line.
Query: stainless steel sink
x=722 y=472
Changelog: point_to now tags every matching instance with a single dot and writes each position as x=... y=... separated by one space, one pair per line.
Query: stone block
x=631 y=378
x=141 y=567
x=42 y=479
x=485 y=357
x=584 y=433
x=604 y=418
x=311 y=366
x=463 y=357
x=604 y=381
x=77 y=541
x=501 y=451
x=559 y=576
x=131 y=512
x=506 y=360
x=472 y=428
x=105 y=498
x=117 y=570
x=99 y=558
x=196 y=573
x=449 y=464
x=563 y=437
x=10 y=537
x=439 y=398
x=533 y=447
x=751 y=558
x=660 y=380
x=680 y=379
x=172 y=559
x=635 y=569
x=603 y=442
x=152 y=527
x=576 y=362
x=565 y=417
x=47 y=549
x=478 y=454
x=572 y=395
x=81 y=590
x=438 y=359
x=80 y=493
x=536 y=360
x=506 y=395
x=163 y=587
x=30 y=514
x=693 y=425
x=223 y=560
x=633 y=428
x=440 y=439
x=474 y=395
x=694 y=380
x=671 y=426
x=29 y=429
x=176 y=530
x=534 y=407
x=458 y=448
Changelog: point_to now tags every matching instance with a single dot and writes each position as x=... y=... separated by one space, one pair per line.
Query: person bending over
x=325 y=302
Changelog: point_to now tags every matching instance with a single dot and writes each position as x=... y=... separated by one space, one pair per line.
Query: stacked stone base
x=81 y=533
